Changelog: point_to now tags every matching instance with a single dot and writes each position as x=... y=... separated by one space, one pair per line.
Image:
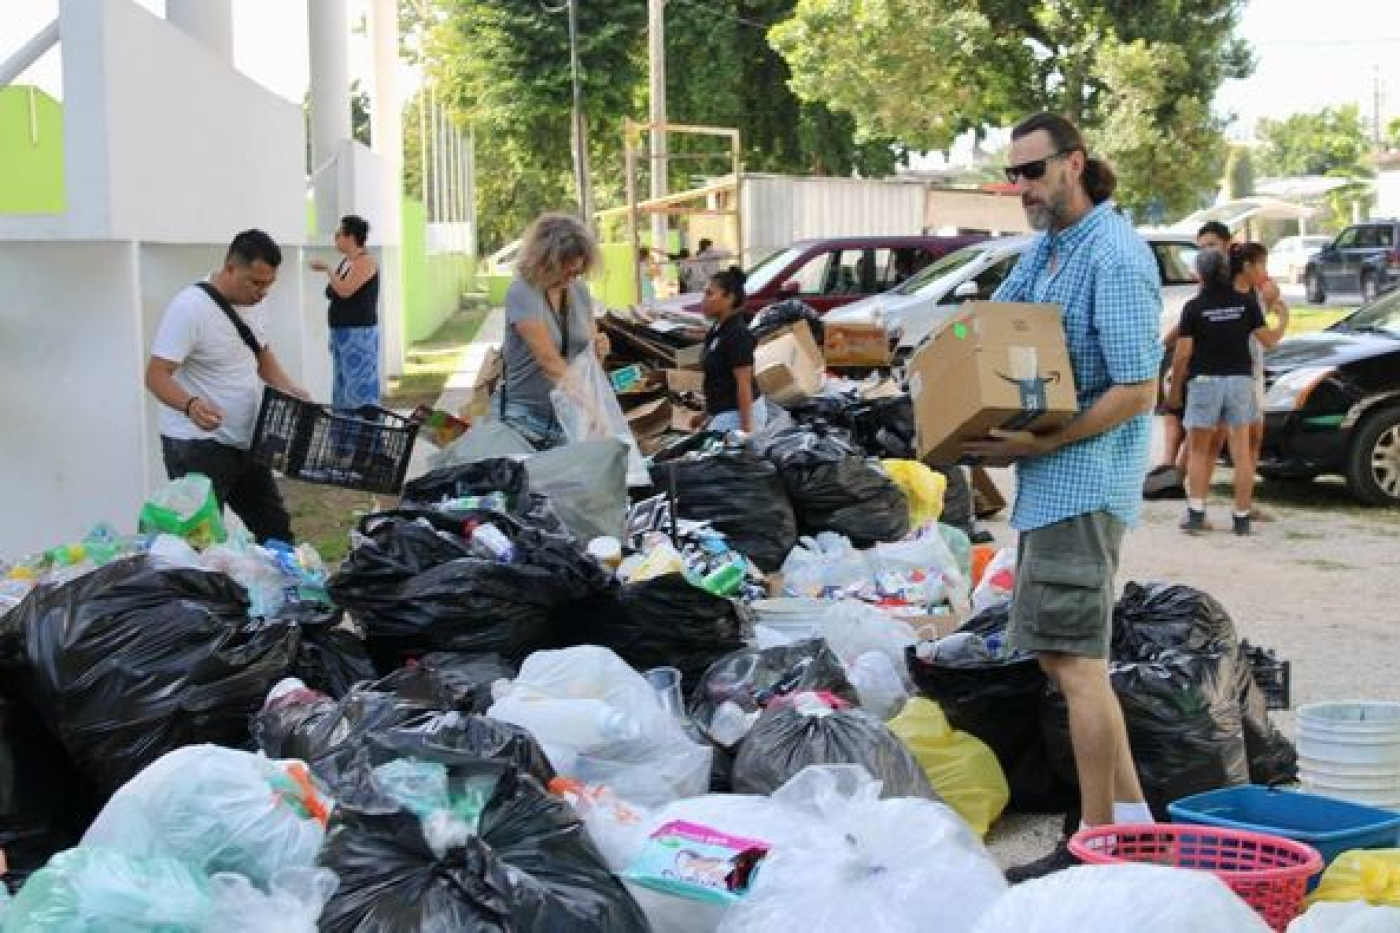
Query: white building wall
x=780 y=209
x=74 y=445
x=1388 y=193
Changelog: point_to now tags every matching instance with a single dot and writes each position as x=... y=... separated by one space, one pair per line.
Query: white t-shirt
x=214 y=363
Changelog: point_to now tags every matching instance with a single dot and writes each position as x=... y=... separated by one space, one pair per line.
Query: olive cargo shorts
x=1064 y=586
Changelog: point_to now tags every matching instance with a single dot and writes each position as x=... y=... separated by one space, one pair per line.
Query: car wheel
x=1373 y=463
x=1369 y=291
x=1316 y=293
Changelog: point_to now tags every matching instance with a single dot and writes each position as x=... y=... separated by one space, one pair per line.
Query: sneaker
x=1194 y=522
x=1059 y=859
x=1240 y=523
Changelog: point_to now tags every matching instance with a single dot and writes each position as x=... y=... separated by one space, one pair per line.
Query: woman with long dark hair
x=731 y=396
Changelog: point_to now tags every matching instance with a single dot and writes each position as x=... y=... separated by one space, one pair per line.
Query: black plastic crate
x=368 y=448
x=1273 y=674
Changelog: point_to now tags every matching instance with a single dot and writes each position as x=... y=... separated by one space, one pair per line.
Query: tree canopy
x=1331 y=141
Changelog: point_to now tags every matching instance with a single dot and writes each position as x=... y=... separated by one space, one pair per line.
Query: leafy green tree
x=1331 y=141
x=1138 y=77
x=1239 y=173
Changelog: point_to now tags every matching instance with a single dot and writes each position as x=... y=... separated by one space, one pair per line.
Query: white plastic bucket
x=1351 y=750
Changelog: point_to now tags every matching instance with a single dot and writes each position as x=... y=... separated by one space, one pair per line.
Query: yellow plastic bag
x=923 y=488
x=1371 y=875
x=960 y=766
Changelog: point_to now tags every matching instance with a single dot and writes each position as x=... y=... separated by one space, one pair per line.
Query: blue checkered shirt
x=1111 y=292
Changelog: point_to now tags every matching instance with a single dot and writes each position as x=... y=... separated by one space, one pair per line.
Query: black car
x=1364 y=259
x=1333 y=404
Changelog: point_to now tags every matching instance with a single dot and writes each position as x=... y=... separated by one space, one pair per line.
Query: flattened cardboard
x=788 y=366
x=488 y=377
x=995 y=365
x=857 y=344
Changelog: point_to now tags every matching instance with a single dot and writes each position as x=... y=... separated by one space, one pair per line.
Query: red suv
x=831 y=272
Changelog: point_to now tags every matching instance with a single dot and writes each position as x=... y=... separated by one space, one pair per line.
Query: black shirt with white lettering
x=728 y=346
x=1219 y=322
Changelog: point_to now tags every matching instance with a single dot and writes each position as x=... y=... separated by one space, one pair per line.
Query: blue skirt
x=355 y=355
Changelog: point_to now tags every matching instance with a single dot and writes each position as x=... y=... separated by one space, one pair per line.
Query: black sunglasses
x=1033 y=171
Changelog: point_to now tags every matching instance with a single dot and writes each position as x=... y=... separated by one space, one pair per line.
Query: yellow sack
x=923 y=488
x=960 y=766
x=1371 y=875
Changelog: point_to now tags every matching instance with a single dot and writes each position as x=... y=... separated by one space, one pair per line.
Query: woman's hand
x=601 y=345
x=319 y=265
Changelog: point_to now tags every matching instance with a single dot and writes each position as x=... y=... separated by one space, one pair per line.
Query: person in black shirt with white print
x=1214 y=368
x=731 y=398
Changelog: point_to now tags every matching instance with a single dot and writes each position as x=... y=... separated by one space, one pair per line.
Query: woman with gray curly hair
x=549 y=321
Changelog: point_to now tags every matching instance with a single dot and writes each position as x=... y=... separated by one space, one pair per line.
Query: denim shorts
x=727 y=421
x=1212 y=400
x=542 y=433
x=1064 y=586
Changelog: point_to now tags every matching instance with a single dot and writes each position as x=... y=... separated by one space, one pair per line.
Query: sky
x=1310 y=53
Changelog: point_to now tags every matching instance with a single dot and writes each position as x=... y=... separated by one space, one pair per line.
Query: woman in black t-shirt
x=1214 y=368
x=731 y=398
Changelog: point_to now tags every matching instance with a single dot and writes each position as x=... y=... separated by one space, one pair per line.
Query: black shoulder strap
x=244 y=331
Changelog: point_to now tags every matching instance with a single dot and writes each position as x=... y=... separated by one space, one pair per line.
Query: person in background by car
x=731 y=397
x=1212 y=374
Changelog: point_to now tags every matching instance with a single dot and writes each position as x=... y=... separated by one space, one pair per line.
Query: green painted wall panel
x=432 y=284
x=31 y=152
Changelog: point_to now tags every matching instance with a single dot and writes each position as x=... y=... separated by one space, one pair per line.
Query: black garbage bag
x=783 y=313
x=958 y=500
x=740 y=494
x=134 y=660
x=835 y=487
x=469 y=479
x=330 y=657
x=666 y=621
x=785 y=740
x=1183 y=720
x=1272 y=757
x=528 y=865
x=998 y=701
x=451 y=735
x=417 y=585
x=1150 y=618
x=452 y=681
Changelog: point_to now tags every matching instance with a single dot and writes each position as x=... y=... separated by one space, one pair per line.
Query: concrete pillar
x=386 y=109
x=328 y=27
x=208 y=21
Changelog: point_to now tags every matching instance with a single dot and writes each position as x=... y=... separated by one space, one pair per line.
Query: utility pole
x=1376 y=107
x=656 y=59
x=580 y=134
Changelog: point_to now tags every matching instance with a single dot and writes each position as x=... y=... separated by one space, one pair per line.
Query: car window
x=938 y=269
x=854 y=273
x=1348 y=239
x=1176 y=262
x=1382 y=314
x=815 y=275
x=765 y=271
x=1383 y=237
x=901 y=265
x=989 y=278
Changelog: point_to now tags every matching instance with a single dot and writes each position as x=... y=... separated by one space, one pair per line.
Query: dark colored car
x=1364 y=259
x=831 y=272
x=1333 y=404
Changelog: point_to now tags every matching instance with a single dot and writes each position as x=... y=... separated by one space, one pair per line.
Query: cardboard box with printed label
x=857 y=345
x=994 y=365
x=788 y=366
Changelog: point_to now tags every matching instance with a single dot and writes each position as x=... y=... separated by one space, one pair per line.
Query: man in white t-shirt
x=204 y=371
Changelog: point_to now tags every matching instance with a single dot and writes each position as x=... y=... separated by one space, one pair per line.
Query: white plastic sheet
x=587 y=409
x=1348 y=917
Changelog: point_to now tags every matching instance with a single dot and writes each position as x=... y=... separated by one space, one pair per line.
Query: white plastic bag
x=293 y=903
x=1140 y=898
x=853 y=628
x=998 y=581
x=217 y=810
x=927 y=552
x=877 y=866
x=825 y=565
x=1348 y=917
x=611 y=729
x=587 y=410
x=879 y=684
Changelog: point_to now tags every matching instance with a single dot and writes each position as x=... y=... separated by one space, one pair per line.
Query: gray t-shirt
x=526 y=384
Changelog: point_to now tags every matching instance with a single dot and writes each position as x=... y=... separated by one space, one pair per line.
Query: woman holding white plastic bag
x=549 y=324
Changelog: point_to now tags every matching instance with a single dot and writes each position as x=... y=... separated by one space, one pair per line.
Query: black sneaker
x=1194 y=522
x=1241 y=524
x=1059 y=859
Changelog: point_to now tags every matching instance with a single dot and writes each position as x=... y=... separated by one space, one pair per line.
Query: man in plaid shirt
x=1079 y=486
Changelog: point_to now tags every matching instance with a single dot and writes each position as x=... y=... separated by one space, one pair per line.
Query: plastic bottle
x=494 y=541
x=723 y=581
x=730 y=723
x=570 y=723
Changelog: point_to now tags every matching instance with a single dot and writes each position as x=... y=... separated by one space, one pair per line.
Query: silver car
x=920 y=306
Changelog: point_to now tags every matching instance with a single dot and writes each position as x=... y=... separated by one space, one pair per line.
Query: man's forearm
x=1114 y=407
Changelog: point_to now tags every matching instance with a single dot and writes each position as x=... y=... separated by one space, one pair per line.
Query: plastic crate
x=1273 y=674
x=368 y=448
x=1328 y=825
x=1269 y=873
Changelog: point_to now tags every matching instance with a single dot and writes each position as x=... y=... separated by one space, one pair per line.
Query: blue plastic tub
x=1329 y=826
